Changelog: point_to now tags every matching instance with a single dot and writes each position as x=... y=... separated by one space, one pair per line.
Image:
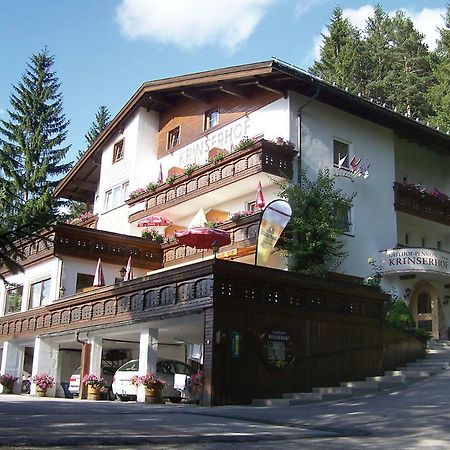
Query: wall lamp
x=122 y=272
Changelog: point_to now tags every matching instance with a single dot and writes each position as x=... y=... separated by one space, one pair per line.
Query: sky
x=105 y=49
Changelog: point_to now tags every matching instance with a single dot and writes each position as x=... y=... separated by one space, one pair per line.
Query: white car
x=165 y=369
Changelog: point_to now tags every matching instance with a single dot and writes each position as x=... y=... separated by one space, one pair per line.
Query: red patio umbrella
x=129 y=271
x=202 y=237
x=154 y=221
x=260 y=202
x=99 y=278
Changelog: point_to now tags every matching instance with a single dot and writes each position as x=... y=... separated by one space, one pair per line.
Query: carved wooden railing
x=89 y=243
x=424 y=205
x=178 y=291
x=263 y=156
x=243 y=234
x=192 y=288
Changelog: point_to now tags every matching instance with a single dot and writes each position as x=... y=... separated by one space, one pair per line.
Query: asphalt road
x=414 y=418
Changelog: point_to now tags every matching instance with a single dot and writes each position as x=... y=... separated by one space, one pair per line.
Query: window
x=40 y=293
x=13 y=301
x=250 y=206
x=173 y=138
x=116 y=196
x=118 y=151
x=211 y=118
x=345 y=219
x=341 y=157
x=84 y=281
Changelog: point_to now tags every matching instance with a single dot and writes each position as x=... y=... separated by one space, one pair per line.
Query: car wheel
x=121 y=398
x=110 y=395
x=175 y=399
x=26 y=385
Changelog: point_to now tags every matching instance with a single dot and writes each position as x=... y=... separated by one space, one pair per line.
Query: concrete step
x=409 y=373
x=426 y=363
x=303 y=397
x=340 y=390
x=386 y=381
x=431 y=369
x=361 y=387
x=270 y=402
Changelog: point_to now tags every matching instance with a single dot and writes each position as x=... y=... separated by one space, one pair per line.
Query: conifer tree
x=31 y=154
x=340 y=56
x=102 y=120
x=440 y=92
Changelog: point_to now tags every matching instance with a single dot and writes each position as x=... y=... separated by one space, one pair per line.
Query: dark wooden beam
x=156 y=99
x=270 y=86
x=232 y=89
x=194 y=95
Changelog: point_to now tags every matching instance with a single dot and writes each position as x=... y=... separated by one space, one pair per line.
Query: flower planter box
x=40 y=392
x=7 y=390
x=153 y=396
x=93 y=393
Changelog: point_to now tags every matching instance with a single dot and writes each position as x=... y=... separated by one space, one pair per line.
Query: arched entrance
x=424 y=308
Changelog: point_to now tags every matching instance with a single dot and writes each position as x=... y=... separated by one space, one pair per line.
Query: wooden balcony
x=424 y=205
x=244 y=233
x=89 y=243
x=192 y=288
x=263 y=156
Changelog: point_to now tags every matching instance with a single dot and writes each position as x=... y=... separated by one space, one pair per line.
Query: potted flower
x=190 y=168
x=195 y=385
x=43 y=382
x=95 y=385
x=153 y=235
x=7 y=381
x=238 y=215
x=153 y=386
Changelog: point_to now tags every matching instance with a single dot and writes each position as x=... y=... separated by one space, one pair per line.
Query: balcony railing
x=421 y=204
x=243 y=234
x=89 y=243
x=263 y=156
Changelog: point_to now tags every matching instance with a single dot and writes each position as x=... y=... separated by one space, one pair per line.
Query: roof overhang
x=240 y=81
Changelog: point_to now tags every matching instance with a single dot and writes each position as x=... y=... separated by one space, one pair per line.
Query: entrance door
x=425 y=311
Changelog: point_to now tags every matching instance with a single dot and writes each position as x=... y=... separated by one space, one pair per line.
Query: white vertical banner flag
x=274 y=219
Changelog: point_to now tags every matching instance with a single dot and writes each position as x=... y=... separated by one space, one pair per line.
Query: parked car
x=107 y=374
x=165 y=369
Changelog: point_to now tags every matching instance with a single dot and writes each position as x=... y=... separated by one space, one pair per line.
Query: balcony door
x=424 y=308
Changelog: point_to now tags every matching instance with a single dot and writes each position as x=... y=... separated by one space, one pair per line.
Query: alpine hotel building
x=209 y=139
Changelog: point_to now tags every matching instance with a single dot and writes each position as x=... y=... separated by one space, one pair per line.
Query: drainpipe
x=299 y=131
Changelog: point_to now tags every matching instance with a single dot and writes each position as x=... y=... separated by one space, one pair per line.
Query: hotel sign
x=197 y=152
x=415 y=260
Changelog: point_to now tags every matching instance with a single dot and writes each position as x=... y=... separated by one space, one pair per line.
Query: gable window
x=211 y=119
x=118 y=151
x=40 y=293
x=13 y=301
x=341 y=154
x=116 y=196
x=173 y=138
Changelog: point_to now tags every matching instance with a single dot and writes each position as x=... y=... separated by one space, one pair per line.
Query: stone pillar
x=95 y=365
x=45 y=360
x=148 y=353
x=12 y=364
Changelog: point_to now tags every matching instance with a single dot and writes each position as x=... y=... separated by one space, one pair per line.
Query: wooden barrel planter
x=40 y=392
x=93 y=393
x=7 y=390
x=153 y=396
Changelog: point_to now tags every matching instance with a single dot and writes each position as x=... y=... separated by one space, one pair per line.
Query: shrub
x=94 y=381
x=171 y=179
x=153 y=235
x=244 y=143
x=190 y=168
x=149 y=381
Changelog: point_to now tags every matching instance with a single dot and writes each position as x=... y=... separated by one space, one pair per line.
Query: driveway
x=416 y=417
